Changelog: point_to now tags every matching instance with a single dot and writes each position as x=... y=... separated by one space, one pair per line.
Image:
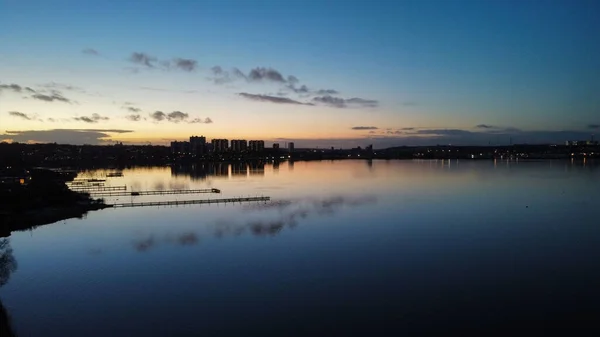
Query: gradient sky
x=322 y=73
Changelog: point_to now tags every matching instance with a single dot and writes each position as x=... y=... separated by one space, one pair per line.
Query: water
x=350 y=247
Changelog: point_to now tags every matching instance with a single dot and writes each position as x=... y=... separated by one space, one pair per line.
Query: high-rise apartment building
x=197 y=145
x=256 y=145
x=220 y=145
x=291 y=146
x=239 y=145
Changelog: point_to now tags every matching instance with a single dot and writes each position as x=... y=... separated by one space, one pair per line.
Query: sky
x=321 y=73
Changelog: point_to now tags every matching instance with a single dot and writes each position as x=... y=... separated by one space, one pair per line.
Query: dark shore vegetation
x=42 y=198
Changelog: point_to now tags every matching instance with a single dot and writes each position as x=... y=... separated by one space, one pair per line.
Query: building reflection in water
x=239 y=170
x=202 y=171
x=8 y=265
x=257 y=168
x=275 y=166
x=290 y=165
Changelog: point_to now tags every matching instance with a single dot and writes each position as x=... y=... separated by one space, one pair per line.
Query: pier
x=189 y=202
x=139 y=193
x=92 y=189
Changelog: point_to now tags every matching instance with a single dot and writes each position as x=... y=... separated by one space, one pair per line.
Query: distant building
x=276 y=146
x=256 y=145
x=220 y=145
x=291 y=147
x=239 y=145
x=197 y=145
x=180 y=148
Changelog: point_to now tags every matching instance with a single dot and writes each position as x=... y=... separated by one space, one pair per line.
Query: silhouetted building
x=276 y=146
x=197 y=145
x=180 y=148
x=239 y=145
x=291 y=147
x=256 y=145
x=220 y=145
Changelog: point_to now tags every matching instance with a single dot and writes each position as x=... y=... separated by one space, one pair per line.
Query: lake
x=372 y=248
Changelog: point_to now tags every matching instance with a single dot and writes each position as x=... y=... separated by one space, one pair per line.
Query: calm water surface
x=350 y=247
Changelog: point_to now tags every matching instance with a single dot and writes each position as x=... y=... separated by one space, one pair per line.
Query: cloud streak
x=364 y=128
x=63 y=136
x=271 y=99
x=90 y=51
x=94 y=118
x=20 y=115
x=345 y=103
x=177 y=117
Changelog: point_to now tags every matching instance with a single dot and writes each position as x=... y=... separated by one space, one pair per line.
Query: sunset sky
x=321 y=73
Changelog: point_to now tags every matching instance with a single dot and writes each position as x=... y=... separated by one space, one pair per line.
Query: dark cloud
x=327 y=92
x=484 y=126
x=362 y=102
x=407 y=129
x=158 y=116
x=133 y=109
x=344 y=103
x=332 y=101
x=185 y=64
x=11 y=87
x=63 y=136
x=53 y=96
x=20 y=115
x=221 y=76
x=94 y=118
x=90 y=51
x=271 y=99
x=134 y=118
x=267 y=74
x=143 y=59
x=364 y=128
x=303 y=89
x=206 y=120
x=177 y=116
x=593 y=126
x=292 y=79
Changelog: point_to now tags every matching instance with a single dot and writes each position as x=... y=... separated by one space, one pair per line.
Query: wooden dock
x=92 y=189
x=189 y=202
x=139 y=193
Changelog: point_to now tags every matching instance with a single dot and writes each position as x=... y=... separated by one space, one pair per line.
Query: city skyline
x=340 y=74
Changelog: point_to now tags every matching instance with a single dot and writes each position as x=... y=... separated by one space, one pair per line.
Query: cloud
x=362 y=102
x=343 y=103
x=593 y=126
x=143 y=59
x=63 y=136
x=221 y=76
x=20 y=115
x=90 y=51
x=158 y=116
x=271 y=99
x=364 y=128
x=292 y=79
x=185 y=64
x=134 y=118
x=407 y=129
x=177 y=117
x=485 y=126
x=266 y=74
x=15 y=88
x=330 y=100
x=206 y=120
x=327 y=92
x=94 y=118
x=133 y=109
x=54 y=96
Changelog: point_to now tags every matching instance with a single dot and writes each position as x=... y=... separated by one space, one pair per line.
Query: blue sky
x=424 y=66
